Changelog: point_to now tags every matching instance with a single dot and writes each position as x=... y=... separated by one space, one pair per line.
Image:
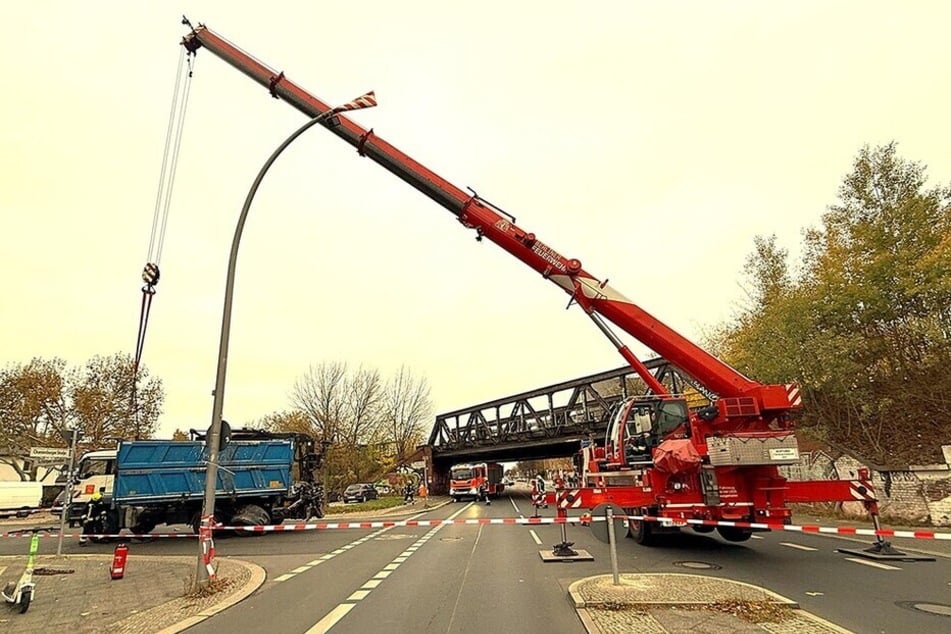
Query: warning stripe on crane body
x=794 y=395
x=568 y=499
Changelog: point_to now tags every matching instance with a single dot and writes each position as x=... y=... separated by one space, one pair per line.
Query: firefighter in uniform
x=94 y=509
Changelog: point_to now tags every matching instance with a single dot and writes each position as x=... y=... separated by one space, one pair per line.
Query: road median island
x=658 y=602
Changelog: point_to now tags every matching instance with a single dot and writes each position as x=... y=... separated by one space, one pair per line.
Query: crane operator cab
x=640 y=423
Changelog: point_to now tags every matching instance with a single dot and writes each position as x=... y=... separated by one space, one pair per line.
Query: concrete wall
x=917 y=495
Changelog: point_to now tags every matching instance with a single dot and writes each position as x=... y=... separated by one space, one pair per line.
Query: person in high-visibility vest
x=91 y=523
x=540 y=491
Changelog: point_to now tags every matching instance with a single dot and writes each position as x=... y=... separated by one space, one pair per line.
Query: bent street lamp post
x=206 y=552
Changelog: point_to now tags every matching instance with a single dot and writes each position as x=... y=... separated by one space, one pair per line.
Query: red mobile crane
x=660 y=459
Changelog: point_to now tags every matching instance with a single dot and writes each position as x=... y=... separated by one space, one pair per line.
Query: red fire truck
x=477 y=480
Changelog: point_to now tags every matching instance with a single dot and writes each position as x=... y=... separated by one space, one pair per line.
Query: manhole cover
x=697 y=565
x=931 y=608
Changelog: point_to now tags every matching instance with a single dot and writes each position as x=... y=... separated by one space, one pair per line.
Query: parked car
x=360 y=493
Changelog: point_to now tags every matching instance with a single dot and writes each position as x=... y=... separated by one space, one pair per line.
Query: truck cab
x=95 y=471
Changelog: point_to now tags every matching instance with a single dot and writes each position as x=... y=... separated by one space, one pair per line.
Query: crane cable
x=163 y=198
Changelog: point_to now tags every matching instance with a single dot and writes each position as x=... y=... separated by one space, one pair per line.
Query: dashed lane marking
x=310 y=564
x=797 y=546
x=535 y=536
x=873 y=564
x=334 y=616
x=324 y=624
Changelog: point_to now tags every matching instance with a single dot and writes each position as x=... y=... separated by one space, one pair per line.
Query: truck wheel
x=250 y=515
x=734 y=534
x=642 y=532
x=108 y=525
x=142 y=528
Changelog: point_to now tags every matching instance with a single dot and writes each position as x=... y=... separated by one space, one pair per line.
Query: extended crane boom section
x=593 y=295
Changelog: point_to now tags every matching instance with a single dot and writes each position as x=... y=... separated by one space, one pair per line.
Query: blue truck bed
x=167 y=470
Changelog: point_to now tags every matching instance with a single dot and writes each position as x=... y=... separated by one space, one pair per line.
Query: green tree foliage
x=40 y=399
x=865 y=323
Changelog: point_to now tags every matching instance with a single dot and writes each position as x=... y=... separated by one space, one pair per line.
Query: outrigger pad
x=884 y=551
x=579 y=555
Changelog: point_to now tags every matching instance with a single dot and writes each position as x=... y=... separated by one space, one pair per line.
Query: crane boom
x=659 y=461
x=594 y=296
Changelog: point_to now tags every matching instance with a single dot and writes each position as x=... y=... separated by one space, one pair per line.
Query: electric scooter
x=21 y=592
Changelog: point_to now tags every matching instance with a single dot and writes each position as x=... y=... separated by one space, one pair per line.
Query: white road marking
x=296 y=571
x=535 y=536
x=324 y=624
x=873 y=564
x=756 y=536
x=515 y=506
x=797 y=546
x=332 y=617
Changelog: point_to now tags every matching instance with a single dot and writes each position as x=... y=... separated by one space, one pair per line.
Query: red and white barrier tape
x=282 y=528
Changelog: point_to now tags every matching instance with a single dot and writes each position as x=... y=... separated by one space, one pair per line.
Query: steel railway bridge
x=547 y=422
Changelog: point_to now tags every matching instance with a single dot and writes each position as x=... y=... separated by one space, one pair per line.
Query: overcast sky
x=650 y=140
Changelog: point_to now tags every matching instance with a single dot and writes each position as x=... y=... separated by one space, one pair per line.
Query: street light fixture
x=213 y=439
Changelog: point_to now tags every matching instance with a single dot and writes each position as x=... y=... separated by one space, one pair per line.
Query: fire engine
x=661 y=460
x=479 y=480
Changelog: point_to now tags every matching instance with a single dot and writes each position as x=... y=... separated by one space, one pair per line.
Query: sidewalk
x=76 y=593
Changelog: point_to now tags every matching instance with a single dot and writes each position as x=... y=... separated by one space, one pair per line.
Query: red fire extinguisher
x=118 y=561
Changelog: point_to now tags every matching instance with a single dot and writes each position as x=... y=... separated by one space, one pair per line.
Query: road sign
x=419 y=464
x=49 y=453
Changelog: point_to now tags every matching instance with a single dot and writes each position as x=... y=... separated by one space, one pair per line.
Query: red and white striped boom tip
x=363 y=101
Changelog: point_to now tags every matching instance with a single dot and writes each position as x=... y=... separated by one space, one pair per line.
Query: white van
x=20 y=498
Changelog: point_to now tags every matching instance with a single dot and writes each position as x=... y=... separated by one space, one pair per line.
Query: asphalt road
x=464 y=578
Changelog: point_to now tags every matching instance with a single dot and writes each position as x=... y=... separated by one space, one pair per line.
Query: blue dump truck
x=263 y=478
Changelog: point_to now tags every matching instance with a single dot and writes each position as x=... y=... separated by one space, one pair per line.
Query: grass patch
x=380 y=504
